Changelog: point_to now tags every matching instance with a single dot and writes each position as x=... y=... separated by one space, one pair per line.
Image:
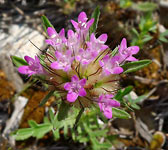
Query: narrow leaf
x=120 y=113
x=23 y=134
x=63 y=111
x=134 y=66
x=45 y=99
x=46 y=22
x=114 y=52
x=18 y=61
x=95 y=15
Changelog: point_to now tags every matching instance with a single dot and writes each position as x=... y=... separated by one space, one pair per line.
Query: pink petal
x=55 y=65
x=62 y=33
x=71 y=97
x=74 y=78
x=117 y=70
x=133 y=49
x=58 y=55
x=24 y=69
x=75 y=24
x=92 y=38
x=123 y=45
x=89 y=23
x=82 y=82
x=29 y=59
x=108 y=113
x=82 y=17
x=50 y=42
x=106 y=58
x=131 y=58
x=67 y=86
x=103 y=47
x=101 y=63
x=113 y=103
x=103 y=38
x=82 y=92
x=51 y=32
x=108 y=96
x=70 y=34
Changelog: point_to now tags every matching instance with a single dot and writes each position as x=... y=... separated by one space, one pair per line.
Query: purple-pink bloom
x=82 y=26
x=75 y=88
x=97 y=45
x=111 y=65
x=64 y=61
x=126 y=53
x=106 y=103
x=34 y=66
x=55 y=39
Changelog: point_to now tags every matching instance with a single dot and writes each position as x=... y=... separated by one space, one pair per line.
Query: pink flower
x=34 y=66
x=64 y=61
x=97 y=45
x=85 y=56
x=82 y=26
x=55 y=39
x=106 y=103
x=126 y=53
x=111 y=65
x=75 y=88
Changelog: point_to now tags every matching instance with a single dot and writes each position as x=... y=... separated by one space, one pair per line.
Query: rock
x=16 y=42
x=13 y=122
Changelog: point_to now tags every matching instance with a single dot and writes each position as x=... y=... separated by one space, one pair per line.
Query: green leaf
x=114 y=52
x=45 y=99
x=18 y=61
x=51 y=114
x=146 y=6
x=32 y=123
x=136 y=65
x=135 y=32
x=147 y=38
x=95 y=15
x=63 y=111
x=23 y=134
x=42 y=129
x=120 y=94
x=120 y=113
x=46 y=23
x=163 y=39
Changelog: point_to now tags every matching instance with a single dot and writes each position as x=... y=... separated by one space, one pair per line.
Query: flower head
x=86 y=62
x=75 y=88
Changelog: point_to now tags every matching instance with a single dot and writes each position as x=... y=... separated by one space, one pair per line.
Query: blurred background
x=142 y=22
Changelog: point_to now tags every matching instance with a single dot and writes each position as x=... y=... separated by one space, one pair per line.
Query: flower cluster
x=81 y=67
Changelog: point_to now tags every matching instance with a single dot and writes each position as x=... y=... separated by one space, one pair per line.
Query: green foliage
x=18 y=61
x=95 y=15
x=120 y=113
x=125 y=3
x=145 y=6
x=114 y=52
x=63 y=110
x=163 y=37
x=136 y=65
x=35 y=130
x=132 y=102
x=46 y=23
x=146 y=25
